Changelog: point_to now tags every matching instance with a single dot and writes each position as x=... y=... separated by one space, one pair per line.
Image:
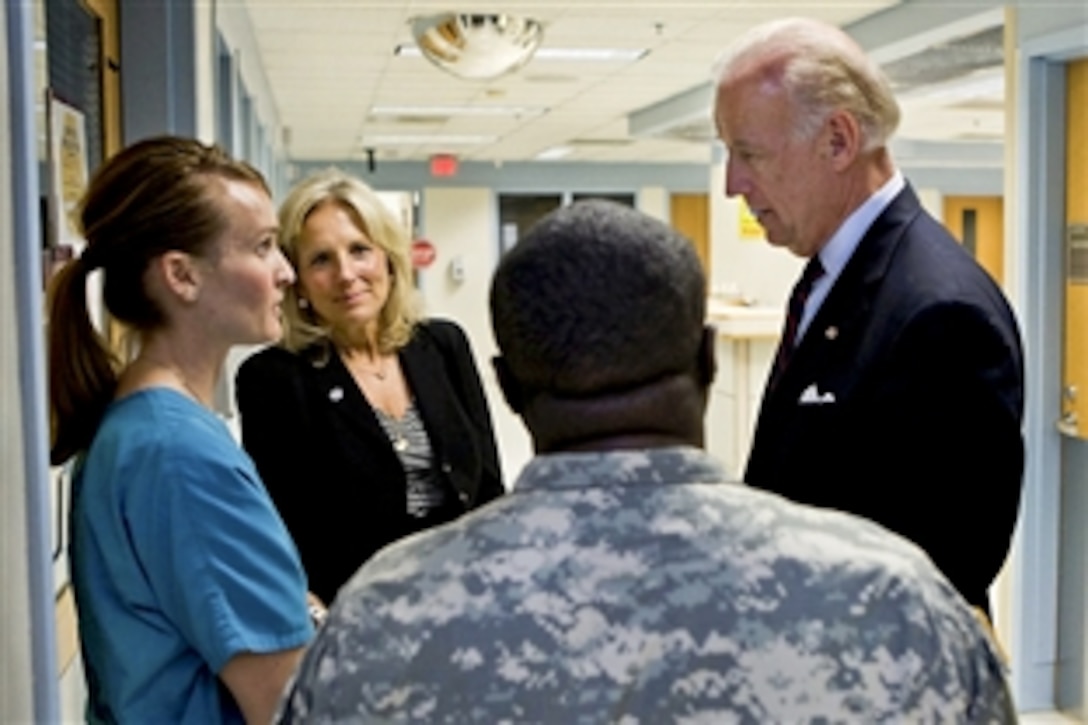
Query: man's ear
x=511 y=388
x=842 y=139
x=707 y=363
x=180 y=275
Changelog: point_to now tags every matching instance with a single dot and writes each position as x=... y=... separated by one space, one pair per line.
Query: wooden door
x=690 y=214
x=1075 y=371
x=109 y=71
x=978 y=222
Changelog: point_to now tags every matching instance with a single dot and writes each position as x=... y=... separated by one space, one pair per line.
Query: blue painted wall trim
x=29 y=303
x=1052 y=582
x=979 y=177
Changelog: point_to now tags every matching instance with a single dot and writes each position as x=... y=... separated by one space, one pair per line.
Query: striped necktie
x=794 y=312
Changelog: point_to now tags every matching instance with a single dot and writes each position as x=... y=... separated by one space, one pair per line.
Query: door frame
x=1036 y=281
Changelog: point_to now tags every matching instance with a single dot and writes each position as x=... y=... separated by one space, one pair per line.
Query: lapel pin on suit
x=831 y=333
x=336 y=394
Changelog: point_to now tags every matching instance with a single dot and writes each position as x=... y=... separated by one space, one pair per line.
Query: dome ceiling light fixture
x=477 y=46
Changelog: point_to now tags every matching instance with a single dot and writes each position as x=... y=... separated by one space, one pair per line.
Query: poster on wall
x=68 y=179
x=67 y=170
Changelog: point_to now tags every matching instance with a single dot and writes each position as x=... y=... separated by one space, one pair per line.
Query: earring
x=303 y=303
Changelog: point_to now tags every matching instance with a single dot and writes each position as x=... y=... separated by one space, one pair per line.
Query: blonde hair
x=401 y=312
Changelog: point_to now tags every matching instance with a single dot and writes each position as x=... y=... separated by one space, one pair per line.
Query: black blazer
x=904 y=400
x=329 y=466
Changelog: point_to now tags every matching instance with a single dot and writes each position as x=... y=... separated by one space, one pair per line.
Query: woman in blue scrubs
x=190 y=594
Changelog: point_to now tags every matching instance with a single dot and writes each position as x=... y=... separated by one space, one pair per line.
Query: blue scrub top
x=179 y=562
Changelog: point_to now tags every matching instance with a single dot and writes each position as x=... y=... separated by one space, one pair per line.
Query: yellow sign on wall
x=750 y=228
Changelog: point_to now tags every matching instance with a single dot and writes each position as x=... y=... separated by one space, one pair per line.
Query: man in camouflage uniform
x=625 y=579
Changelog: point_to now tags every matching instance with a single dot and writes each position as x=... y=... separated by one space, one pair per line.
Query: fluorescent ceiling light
x=555 y=152
x=463 y=110
x=601 y=54
x=589 y=54
x=408 y=139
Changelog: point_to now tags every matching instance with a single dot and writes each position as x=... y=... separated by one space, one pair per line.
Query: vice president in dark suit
x=897 y=392
x=367 y=423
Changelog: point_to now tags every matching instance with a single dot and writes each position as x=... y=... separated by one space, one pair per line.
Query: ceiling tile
x=329 y=61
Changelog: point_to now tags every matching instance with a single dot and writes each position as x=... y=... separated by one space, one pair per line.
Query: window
x=519 y=212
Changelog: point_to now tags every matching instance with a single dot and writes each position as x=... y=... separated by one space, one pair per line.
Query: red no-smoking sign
x=423 y=254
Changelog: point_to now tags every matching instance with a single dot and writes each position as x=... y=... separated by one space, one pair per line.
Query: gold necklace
x=380 y=373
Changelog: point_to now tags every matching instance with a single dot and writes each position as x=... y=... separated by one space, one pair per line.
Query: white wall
x=751 y=266
x=205 y=62
x=16 y=703
x=932 y=200
x=462 y=223
x=231 y=20
x=655 y=201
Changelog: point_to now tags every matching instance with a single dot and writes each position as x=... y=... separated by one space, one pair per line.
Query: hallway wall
x=15 y=692
x=27 y=661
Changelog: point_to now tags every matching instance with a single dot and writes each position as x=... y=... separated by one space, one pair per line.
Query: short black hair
x=598 y=297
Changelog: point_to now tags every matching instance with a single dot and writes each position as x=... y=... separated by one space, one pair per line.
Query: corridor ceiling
x=340 y=88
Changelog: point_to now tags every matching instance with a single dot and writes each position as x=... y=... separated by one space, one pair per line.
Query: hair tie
x=91 y=259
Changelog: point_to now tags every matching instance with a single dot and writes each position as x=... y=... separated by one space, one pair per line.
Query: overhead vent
x=685 y=116
x=980 y=136
x=600 y=142
x=979 y=104
x=699 y=131
x=963 y=70
x=550 y=78
x=415 y=120
x=948 y=60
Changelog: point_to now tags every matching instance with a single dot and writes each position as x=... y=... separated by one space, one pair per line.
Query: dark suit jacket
x=331 y=469
x=922 y=354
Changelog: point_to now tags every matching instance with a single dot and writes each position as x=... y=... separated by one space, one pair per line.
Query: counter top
x=739 y=321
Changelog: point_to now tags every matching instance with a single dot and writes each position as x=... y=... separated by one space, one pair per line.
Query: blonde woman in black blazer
x=367 y=423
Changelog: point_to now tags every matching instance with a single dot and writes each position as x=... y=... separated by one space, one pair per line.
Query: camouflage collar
x=651 y=466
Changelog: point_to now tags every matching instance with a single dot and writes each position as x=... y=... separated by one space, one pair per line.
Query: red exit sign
x=443 y=165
